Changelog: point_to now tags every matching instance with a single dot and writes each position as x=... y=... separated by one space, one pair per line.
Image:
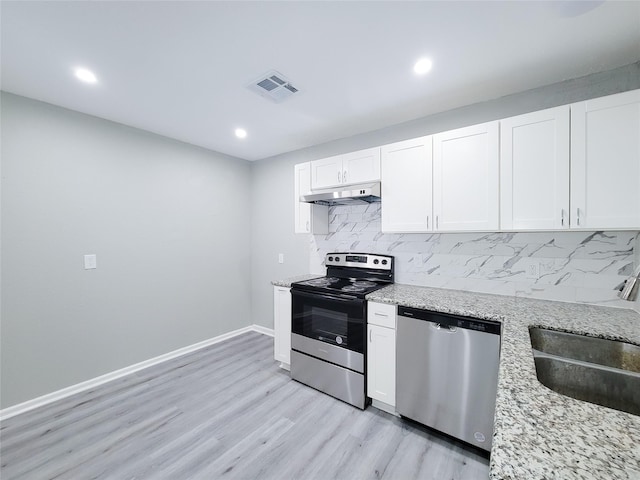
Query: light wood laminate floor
x=226 y=411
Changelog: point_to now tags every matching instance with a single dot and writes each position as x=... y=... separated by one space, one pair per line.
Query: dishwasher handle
x=445 y=328
x=454 y=322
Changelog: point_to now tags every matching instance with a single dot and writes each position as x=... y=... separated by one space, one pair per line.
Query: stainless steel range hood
x=347 y=195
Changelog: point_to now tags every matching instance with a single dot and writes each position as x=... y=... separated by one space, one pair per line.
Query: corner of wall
x=636 y=263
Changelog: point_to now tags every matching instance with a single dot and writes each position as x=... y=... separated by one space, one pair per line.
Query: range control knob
x=337 y=259
x=331 y=259
x=384 y=262
x=376 y=261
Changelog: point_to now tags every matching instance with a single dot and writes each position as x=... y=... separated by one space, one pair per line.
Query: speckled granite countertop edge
x=286 y=282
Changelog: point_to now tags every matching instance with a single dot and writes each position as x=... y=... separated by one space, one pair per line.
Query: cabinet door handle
x=562 y=217
x=380 y=314
x=370 y=332
x=437 y=227
x=307 y=225
x=427 y=222
x=578 y=212
x=338 y=177
x=344 y=176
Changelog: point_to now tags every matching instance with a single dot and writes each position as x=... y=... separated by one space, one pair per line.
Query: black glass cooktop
x=351 y=286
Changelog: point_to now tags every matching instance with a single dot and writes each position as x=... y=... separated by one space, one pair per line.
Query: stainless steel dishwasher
x=447 y=373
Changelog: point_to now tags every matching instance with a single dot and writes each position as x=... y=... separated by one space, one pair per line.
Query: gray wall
x=171 y=234
x=272 y=233
x=276 y=174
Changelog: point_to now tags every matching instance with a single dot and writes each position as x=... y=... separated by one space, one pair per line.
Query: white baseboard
x=262 y=330
x=94 y=382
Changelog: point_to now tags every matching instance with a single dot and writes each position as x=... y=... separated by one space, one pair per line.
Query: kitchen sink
x=596 y=370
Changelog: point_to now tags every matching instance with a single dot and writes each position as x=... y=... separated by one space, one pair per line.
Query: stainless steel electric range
x=329 y=324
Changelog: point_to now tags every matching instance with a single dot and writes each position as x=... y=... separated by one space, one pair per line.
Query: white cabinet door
x=381 y=364
x=302 y=186
x=466 y=178
x=351 y=168
x=534 y=171
x=326 y=172
x=605 y=162
x=309 y=218
x=282 y=325
x=381 y=314
x=361 y=167
x=407 y=178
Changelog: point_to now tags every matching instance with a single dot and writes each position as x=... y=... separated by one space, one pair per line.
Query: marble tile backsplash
x=583 y=267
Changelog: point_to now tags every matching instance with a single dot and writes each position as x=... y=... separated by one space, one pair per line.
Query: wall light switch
x=90 y=261
x=281 y=258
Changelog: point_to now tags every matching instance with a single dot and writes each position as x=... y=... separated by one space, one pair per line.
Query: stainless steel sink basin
x=596 y=370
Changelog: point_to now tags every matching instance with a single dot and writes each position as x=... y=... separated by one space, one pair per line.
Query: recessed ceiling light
x=241 y=133
x=422 y=66
x=85 y=75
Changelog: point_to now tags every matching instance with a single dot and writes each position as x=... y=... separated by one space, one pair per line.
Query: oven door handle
x=326 y=296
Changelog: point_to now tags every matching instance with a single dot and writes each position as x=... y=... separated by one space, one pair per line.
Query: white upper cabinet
x=605 y=162
x=326 y=172
x=309 y=218
x=407 y=176
x=361 y=167
x=576 y=166
x=351 y=168
x=466 y=178
x=534 y=171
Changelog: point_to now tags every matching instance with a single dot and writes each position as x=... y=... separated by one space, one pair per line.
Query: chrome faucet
x=630 y=286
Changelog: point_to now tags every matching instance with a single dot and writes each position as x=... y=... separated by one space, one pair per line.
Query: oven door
x=337 y=320
x=327 y=344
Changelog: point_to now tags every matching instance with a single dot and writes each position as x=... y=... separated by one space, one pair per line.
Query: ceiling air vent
x=273 y=85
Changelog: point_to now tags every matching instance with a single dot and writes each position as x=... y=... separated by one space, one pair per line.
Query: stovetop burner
x=363 y=283
x=322 y=281
x=353 y=288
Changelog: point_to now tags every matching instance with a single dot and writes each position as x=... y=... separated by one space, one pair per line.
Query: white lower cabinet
x=381 y=353
x=282 y=325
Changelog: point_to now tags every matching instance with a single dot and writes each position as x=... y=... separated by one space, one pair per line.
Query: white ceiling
x=180 y=69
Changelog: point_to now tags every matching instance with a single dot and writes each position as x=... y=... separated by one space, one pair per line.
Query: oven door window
x=335 y=320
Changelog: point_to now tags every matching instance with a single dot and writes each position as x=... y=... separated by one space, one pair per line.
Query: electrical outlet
x=90 y=261
x=533 y=270
x=281 y=258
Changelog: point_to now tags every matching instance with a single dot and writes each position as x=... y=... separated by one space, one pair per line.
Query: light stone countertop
x=540 y=434
x=286 y=282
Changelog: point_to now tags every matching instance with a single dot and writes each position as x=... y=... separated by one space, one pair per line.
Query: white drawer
x=381 y=314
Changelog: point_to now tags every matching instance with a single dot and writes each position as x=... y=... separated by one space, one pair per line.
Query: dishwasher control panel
x=447 y=320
